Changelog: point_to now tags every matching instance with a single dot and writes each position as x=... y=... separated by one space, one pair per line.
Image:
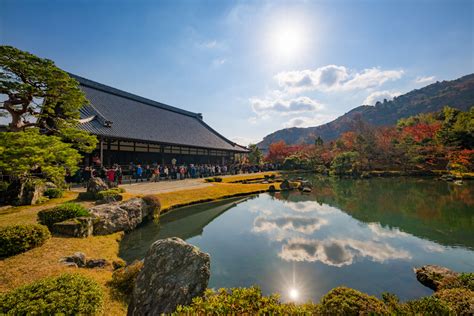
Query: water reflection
x=365 y=234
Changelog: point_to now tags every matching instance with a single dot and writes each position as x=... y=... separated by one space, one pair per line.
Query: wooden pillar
x=101 y=152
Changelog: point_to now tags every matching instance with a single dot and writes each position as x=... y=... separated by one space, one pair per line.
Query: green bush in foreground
x=123 y=279
x=68 y=294
x=61 y=213
x=461 y=300
x=346 y=301
x=429 y=305
x=238 y=301
x=54 y=193
x=20 y=238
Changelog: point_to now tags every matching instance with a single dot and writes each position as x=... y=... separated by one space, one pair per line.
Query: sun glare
x=294 y=294
x=287 y=40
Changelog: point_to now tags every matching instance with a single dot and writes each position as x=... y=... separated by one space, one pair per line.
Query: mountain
x=457 y=93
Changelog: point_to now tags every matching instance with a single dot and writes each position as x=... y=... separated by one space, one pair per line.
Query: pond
x=364 y=234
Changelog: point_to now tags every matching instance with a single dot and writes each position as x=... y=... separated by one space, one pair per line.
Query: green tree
x=36 y=93
x=25 y=153
x=457 y=129
x=346 y=163
x=255 y=155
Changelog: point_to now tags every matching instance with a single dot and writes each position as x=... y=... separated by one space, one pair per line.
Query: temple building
x=131 y=128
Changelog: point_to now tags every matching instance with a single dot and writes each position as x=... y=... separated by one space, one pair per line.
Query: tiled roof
x=118 y=114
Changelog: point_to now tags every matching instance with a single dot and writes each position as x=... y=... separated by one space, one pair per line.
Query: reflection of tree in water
x=437 y=210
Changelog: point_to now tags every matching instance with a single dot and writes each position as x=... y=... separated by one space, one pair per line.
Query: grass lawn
x=44 y=261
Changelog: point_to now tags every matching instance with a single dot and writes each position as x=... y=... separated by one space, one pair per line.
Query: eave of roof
x=99 y=128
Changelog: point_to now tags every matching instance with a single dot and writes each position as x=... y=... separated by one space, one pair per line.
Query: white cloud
x=244 y=141
x=380 y=96
x=301 y=224
x=211 y=44
x=339 y=252
x=315 y=120
x=295 y=105
x=425 y=79
x=334 y=78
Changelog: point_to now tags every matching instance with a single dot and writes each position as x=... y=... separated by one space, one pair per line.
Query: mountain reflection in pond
x=365 y=234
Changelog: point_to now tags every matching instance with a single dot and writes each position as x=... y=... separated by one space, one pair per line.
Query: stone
x=75 y=227
x=96 y=263
x=272 y=188
x=50 y=185
x=96 y=185
x=174 y=272
x=123 y=216
x=78 y=258
x=432 y=276
x=306 y=189
x=27 y=192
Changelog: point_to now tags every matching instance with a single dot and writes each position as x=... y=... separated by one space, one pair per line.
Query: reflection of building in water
x=185 y=223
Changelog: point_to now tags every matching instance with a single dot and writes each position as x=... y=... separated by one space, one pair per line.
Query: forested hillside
x=457 y=93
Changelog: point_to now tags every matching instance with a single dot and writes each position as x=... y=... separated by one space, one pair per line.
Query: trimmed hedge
x=153 y=201
x=346 y=301
x=20 y=238
x=54 y=193
x=243 y=301
x=123 y=279
x=68 y=294
x=109 y=195
x=61 y=213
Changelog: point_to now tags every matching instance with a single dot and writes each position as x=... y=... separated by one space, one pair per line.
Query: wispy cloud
x=313 y=120
x=291 y=106
x=380 y=96
x=425 y=79
x=218 y=62
x=334 y=78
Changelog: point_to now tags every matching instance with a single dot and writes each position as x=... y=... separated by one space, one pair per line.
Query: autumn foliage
x=433 y=141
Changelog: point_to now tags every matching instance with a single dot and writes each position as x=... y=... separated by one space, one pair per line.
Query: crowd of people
x=137 y=172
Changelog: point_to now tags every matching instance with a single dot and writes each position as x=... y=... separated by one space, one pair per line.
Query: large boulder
x=173 y=274
x=27 y=192
x=124 y=216
x=433 y=276
x=95 y=185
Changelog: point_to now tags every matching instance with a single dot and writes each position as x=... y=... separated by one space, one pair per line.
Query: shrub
x=86 y=196
x=123 y=279
x=217 y=179
x=239 y=301
x=42 y=199
x=68 y=294
x=460 y=300
x=109 y=195
x=54 y=193
x=464 y=280
x=61 y=213
x=209 y=180
x=346 y=301
x=346 y=163
x=427 y=306
x=153 y=201
x=20 y=238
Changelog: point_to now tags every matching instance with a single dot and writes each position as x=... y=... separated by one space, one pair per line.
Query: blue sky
x=251 y=67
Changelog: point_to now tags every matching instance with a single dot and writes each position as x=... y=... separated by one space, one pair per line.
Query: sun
x=287 y=40
x=294 y=294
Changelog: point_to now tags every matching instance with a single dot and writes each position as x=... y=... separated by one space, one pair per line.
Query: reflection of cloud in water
x=432 y=247
x=309 y=206
x=305 y=225
x=257 y=209
x=339 y=252
x=380 y=231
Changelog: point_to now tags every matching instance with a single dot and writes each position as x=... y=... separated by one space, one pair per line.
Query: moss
x=109 y=195
x=20 y=238
x=464 y=280
x=346 y=301
x=123 y=279
x=68 y=294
